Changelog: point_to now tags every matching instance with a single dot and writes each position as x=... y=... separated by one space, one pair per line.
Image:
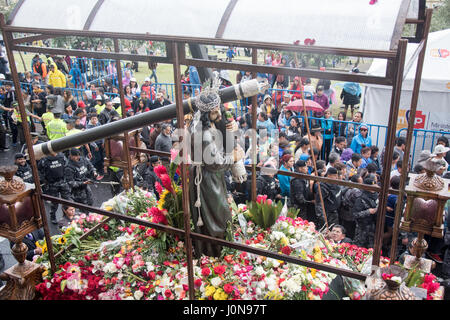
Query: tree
x=441 y=17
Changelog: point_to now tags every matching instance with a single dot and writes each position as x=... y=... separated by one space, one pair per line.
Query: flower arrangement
x=128 y=263
x=263 y=212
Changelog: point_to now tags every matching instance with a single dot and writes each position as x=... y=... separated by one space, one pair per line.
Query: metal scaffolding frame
x=176 y=55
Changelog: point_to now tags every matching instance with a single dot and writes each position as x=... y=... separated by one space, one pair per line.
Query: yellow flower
x=313 y=272
x=162 y=199
x=62 y=240
x=108 y=208
x=284 y=241
x=45 y=273
x=209 y=291
x=220 y=295
x=68 y=230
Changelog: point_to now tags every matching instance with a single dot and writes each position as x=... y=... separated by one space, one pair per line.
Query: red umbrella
x=297 y=106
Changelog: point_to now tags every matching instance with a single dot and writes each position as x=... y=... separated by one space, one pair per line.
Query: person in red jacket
x=296 y=89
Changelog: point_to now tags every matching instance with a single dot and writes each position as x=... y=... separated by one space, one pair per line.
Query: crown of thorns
x=209 y=97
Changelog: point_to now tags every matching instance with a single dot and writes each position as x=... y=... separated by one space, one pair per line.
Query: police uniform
x=78 y=172
x=25 y=173
x=52 y=169
x=365 y=222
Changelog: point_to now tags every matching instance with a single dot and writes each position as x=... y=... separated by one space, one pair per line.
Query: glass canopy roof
x=353 y=24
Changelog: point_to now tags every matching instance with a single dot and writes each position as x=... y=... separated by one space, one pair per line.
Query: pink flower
x=158 y=187
x=373 y=2
x=173 y=154
x=261 y=199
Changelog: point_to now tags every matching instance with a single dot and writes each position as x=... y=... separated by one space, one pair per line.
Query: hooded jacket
x=358 y=141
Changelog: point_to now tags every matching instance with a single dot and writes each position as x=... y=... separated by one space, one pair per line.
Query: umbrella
x=297 y=106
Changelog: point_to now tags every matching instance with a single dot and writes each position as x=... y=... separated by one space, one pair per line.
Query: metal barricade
x=423 y=140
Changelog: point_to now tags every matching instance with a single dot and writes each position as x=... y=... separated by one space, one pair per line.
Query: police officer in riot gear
x=24 y=169
x=52 y=170
x=79 y=174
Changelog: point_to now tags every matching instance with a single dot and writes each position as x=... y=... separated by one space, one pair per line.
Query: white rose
x=291 y=230
x=216 y=282
x=138 y=294
x=259 y=270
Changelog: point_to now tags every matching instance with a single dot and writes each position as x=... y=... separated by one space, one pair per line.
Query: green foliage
x=139 y=202
x=264 y=213
x=441 y=17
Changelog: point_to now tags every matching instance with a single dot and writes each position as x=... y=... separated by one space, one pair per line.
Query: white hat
x=133 y=79
x=116 y=100
x=147 y=79
x=440 y=149
x=2 y=76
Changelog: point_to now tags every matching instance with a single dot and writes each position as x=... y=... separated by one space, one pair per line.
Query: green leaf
x=63 y=285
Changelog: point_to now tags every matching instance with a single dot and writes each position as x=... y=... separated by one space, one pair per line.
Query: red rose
x=219 y=270
x=198 y=282
x=228 y=288
x=206 y=272
x=286 y=250
x=168 y=293
x=151 y=275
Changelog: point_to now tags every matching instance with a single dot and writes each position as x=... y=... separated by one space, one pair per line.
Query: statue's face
x=215 y=115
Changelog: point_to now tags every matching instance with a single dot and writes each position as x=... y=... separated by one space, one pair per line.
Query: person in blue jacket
x=287 y=161
x=327 y=126
x=362 y=139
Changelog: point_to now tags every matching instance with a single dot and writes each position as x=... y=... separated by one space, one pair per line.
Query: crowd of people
x=341 y=150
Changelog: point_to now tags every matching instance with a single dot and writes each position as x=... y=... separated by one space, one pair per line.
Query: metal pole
x=184 y=170
x=409 y=134
x=254 y=153
x=129 y=170
x=26 y=131
x=387 y=161
x=319 y=189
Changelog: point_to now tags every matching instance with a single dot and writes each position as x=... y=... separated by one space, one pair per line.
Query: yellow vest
x=99 y=108
x=47 y=117
x=18 y=117
x=56 y=129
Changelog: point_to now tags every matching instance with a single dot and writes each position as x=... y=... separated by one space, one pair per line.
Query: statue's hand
x=232 y=126
x=238 y=153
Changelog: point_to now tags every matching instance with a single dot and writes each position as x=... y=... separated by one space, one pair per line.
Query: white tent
x=433 y=108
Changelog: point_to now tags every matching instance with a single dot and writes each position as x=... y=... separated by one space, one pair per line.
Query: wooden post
x=184 y=170
x=128 y=171
x=389 y=150
x=409 y=134
x=7 y=36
